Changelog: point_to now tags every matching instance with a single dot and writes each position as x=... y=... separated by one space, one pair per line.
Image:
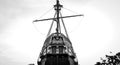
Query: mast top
x=58 y=5
x=57 y=8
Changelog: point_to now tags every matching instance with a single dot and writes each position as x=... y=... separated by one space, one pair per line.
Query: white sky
x=92 y=36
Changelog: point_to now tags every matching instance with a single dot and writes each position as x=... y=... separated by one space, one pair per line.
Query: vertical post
x=57 y=8
x=57 y=16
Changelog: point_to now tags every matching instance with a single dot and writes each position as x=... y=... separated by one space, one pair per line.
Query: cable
x=66 y=33
x=35 y=27
x=42 y=16
x=70 y=10
x=46 y=12
x=64 y=26
x=50 y=28
x=51 y=25
x=59 y=28
x=73 y=12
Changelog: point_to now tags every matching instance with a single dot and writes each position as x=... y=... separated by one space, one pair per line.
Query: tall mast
x=57 y=18
x=58 y=7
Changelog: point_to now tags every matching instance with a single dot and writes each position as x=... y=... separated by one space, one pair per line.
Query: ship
x=57 y=48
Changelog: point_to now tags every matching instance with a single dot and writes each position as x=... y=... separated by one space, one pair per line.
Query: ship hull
x=57 y=59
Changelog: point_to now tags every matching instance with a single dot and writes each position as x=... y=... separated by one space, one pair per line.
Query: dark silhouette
x=111 y=60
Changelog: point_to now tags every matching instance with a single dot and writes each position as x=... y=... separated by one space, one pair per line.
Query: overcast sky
x=93 y=36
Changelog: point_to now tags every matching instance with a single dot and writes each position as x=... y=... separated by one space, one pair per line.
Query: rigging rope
x=64 y=26
x=46 y=12
x=70 y=10
x=35 y=27
x=41 y=17
x=51 y=25
x=75 y=13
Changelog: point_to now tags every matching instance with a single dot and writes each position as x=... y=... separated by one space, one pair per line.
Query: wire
x=75 y=13
x=35 y=27
x=46 y=12
x=41 y=17
x=70 y=10
x=59 y=28
x=64 y=26
x=51 y=25
x=50 y=28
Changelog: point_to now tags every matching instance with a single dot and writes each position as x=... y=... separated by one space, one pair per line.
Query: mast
x=57 y=47
x=57 y=17
x=57 y=8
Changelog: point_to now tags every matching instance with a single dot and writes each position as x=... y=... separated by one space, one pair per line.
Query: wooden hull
x=57 y=59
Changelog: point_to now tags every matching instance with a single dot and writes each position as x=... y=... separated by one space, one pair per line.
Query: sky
x=92 y=36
